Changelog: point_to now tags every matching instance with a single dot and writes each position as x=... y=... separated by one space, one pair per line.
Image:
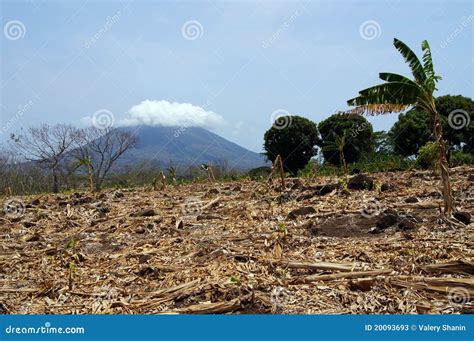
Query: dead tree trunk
x=278 y=165
x=443 y=165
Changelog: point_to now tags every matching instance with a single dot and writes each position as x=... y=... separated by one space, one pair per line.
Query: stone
x=360 y=182
x=463 y=217
x=148 y=212
x=406 y=224
x=302 y=211
x=387 y=220
x=387 y=187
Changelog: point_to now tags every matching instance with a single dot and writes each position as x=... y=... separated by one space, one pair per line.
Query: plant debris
x=242 y=247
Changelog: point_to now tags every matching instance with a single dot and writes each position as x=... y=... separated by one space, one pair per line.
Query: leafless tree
x=46 y=145
x=99 y=149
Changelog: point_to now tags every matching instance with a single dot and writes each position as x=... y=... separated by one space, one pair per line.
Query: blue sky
x=238 y=62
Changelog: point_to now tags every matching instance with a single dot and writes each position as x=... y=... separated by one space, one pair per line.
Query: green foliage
x=381 y=162
x=410 y=132
x=294 y=142
x=427 y=156
x=463 y=137
x=459 y=158
x=413 y=129
x=259 y=173
x=359 y=137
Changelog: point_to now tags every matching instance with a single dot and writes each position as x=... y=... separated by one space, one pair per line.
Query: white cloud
x=164 y=113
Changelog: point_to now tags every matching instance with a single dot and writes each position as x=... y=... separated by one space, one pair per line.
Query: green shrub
x=293 y=138
x=459 y=158
x=427 y=157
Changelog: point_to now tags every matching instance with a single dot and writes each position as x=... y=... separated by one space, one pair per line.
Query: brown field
x=234 y=247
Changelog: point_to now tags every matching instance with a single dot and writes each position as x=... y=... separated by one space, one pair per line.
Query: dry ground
x=232 y=247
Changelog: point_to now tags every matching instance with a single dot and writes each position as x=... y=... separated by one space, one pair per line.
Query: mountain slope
x=160 y=145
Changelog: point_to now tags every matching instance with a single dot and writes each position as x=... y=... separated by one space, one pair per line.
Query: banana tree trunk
x=443 y=165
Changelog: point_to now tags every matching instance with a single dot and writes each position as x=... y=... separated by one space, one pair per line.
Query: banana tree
x=400 y=93
x=337 y=145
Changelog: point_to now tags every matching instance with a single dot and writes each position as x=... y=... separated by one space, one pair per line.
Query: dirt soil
x=236 y=248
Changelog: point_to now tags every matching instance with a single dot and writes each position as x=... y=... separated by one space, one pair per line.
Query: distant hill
x=186 y=146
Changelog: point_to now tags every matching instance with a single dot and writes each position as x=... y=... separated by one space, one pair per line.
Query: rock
x=361 y=284
x=435 y=194
x=144 y=258
x=411 y=200
x=305 y=196
x=148 y=212
x=345 y=192
x=140 y=230
x=360 y=182
x=387 y=220
x=323 y=189
x=387 y=187
x=463 y=217
x=207 y=217
x=33 y=238
x=103 y=209
x=302 y=211
x=35 y=202
x=375 y=230
x=406 y=224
